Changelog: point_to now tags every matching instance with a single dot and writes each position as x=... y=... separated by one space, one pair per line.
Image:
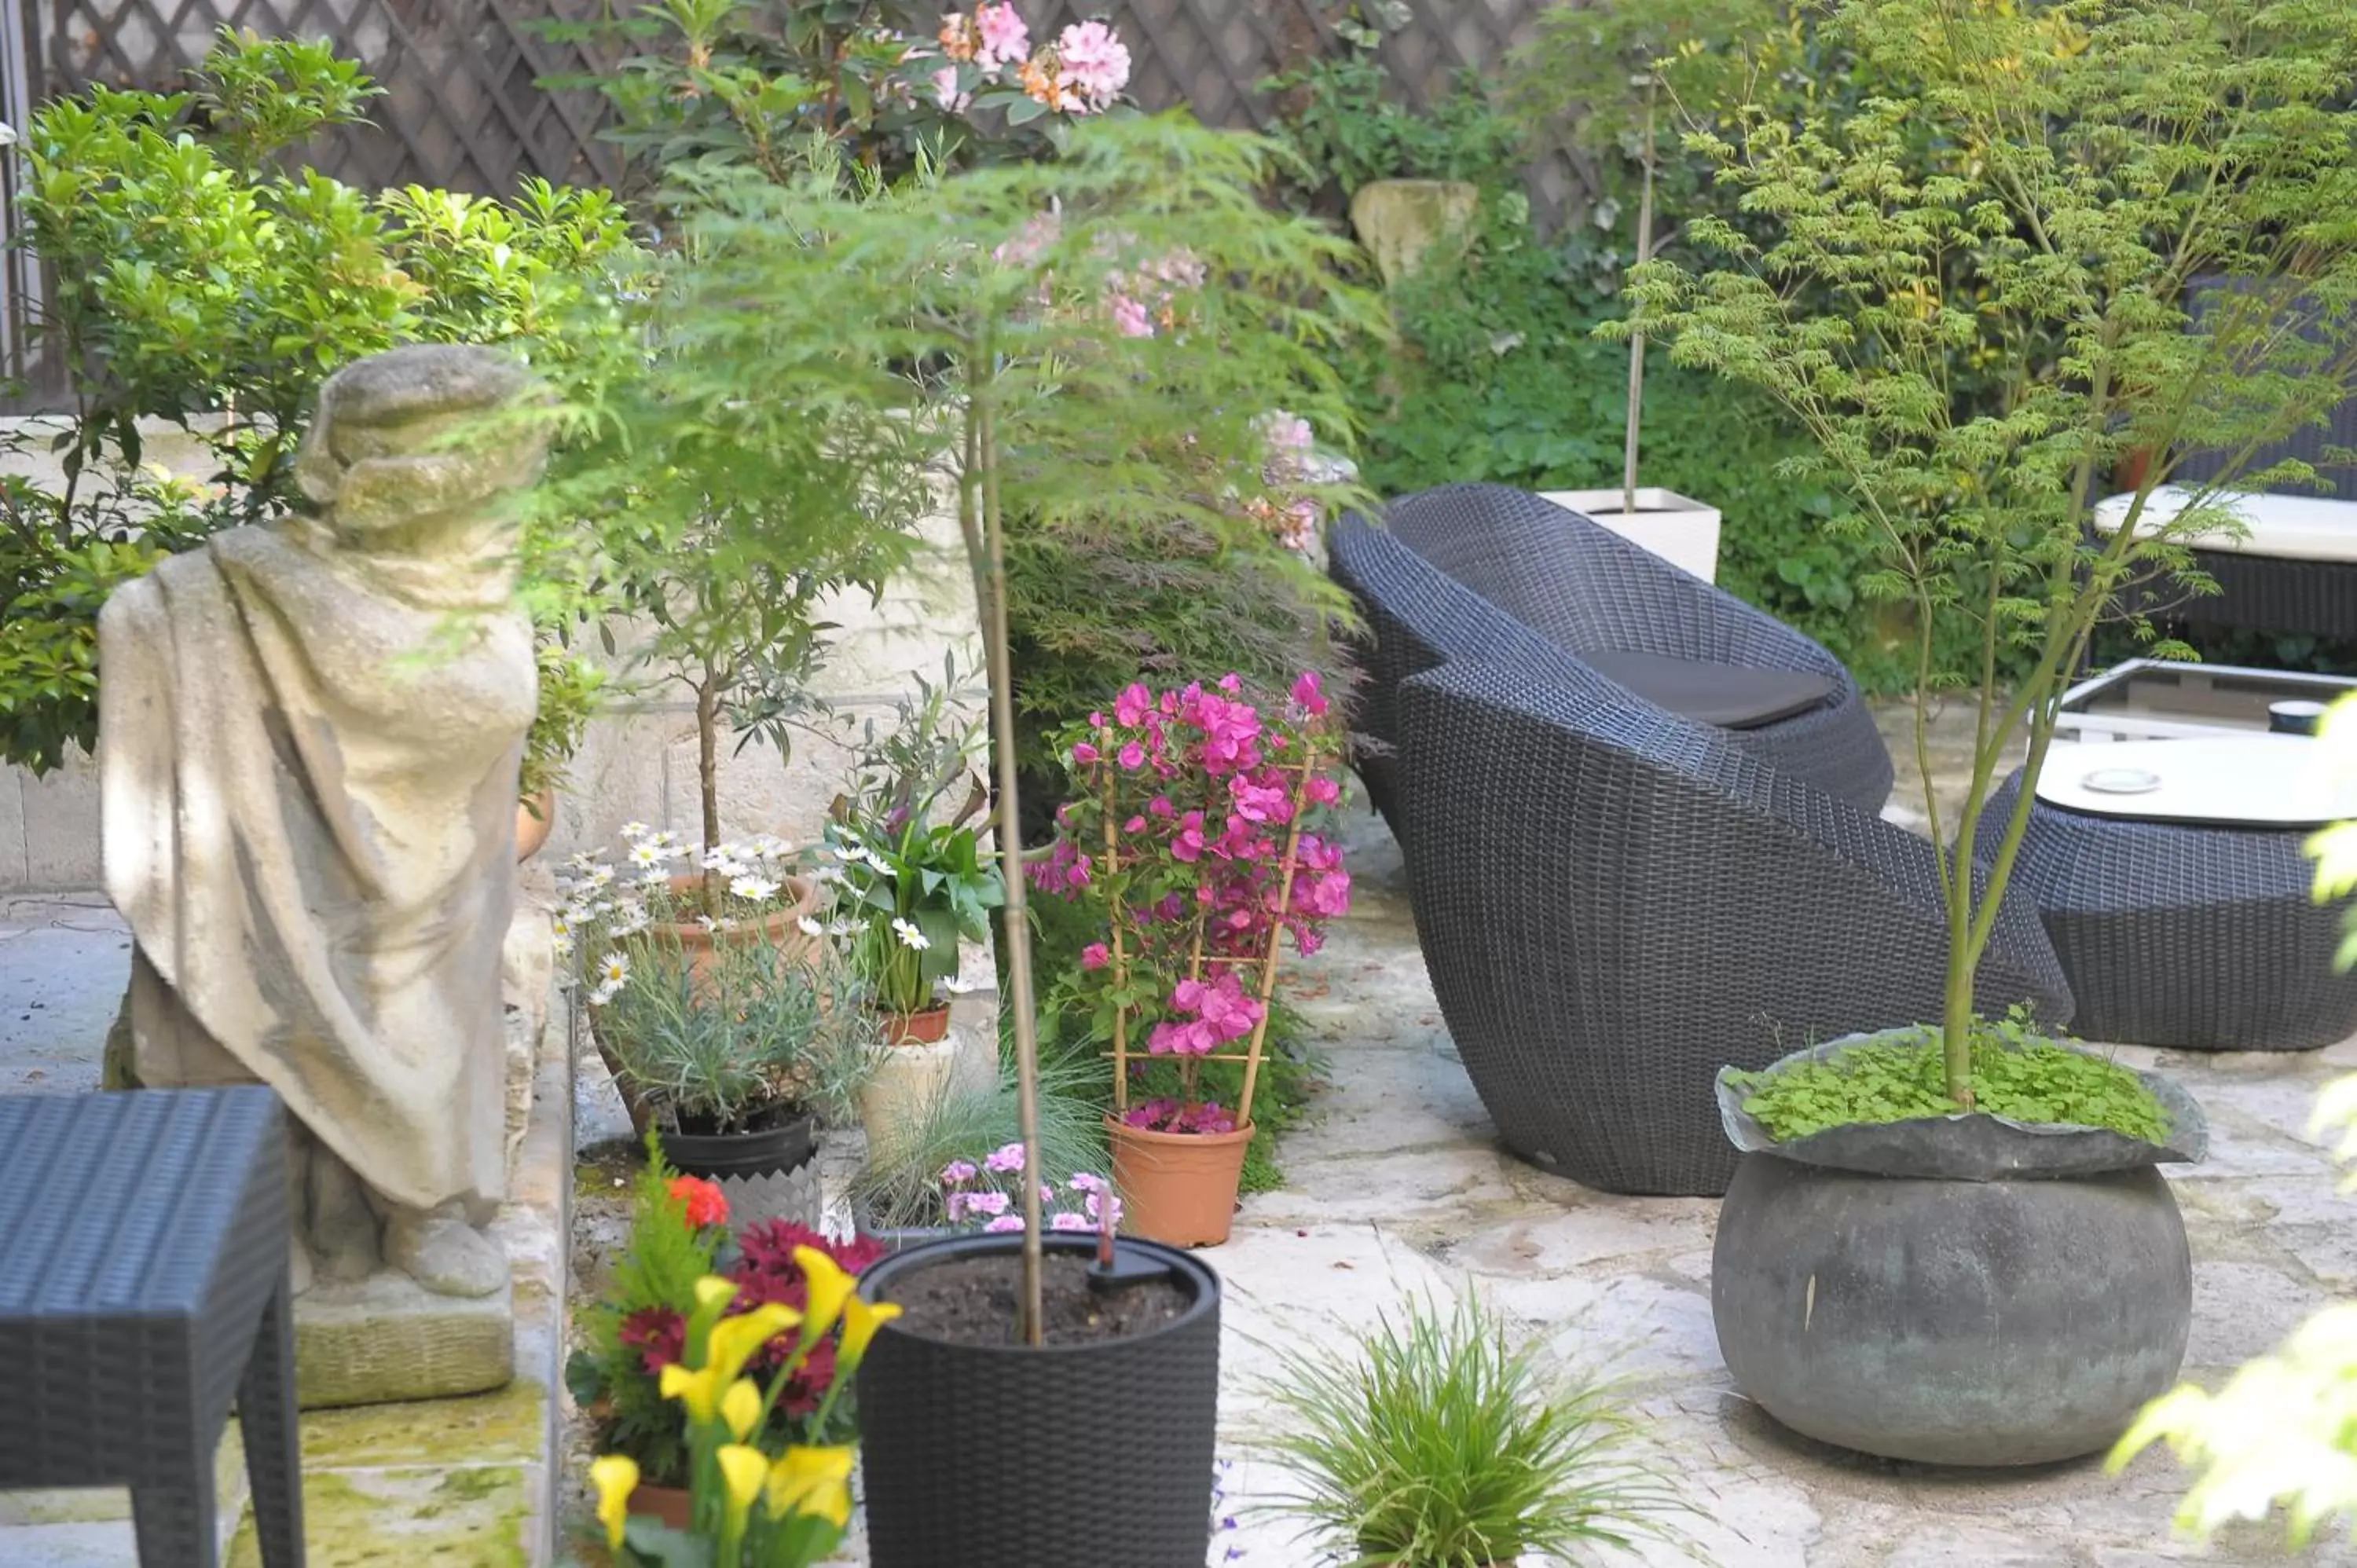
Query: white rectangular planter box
x=1682 y=531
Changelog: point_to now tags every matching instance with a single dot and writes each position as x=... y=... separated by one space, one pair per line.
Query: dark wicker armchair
x=1477 y=570
x=1614 y=901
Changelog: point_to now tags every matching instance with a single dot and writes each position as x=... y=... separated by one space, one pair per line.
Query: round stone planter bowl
x=1076 y=1456
x=1958 y=1290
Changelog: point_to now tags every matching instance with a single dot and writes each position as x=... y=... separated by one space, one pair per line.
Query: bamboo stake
x=1010 y=843
x=1277 y=931
x=1120 y=954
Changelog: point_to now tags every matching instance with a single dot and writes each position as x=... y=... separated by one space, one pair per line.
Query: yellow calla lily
x=816 y=1481
x=699 y=1392
x=860 y=1322
x=712 y=1294
x=743 y=1470
x=740 y=1407
x=616 y=1477
x=830 y=1287
x=734 y=1340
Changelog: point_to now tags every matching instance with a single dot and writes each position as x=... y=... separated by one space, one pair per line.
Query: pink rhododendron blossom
x=946 y=93
x=1095 y=62
x=1130 y=317
x=1005 y=38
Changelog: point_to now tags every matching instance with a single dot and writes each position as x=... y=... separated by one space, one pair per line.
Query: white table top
x=2286 y=527
x=2259 y=780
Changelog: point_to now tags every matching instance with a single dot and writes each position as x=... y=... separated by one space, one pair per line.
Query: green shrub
x=196 y=275
x=1443 y=1443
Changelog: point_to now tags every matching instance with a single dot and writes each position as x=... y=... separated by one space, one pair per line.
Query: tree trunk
x=707 y=777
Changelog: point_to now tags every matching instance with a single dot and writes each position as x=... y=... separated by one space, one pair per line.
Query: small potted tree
x=2115 y=156
x=1105 y=336
x=1196 y=839
x=570 y=691
x=1624 y=78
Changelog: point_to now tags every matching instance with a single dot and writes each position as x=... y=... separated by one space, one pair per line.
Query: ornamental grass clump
x=2147 y=242
x=1198 y=835
x=1441 y=1440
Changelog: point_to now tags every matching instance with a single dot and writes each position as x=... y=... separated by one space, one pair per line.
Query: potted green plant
x=1197 y=838
x=730 y=1053
x=910 y=877
x=1442 y=1439
x=2046 y=1291
x=901 y=1192
x=1624 y=79
x=570 y=691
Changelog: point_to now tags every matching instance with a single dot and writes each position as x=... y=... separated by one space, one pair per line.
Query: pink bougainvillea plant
x=1197 y=833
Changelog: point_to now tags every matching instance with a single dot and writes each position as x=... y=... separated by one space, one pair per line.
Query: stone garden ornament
x=309 y=738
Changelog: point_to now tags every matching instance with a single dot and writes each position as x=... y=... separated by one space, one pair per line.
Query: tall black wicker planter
x=1093 y=1456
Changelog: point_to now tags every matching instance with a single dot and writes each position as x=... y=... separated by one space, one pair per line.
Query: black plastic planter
x=764 y=1152
x=1068 y=1456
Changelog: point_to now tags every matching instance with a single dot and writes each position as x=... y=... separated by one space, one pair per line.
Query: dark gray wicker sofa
x=1613 y=901
x=1469 y=570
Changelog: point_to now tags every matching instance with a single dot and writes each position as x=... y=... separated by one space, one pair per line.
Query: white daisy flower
x=810 y=927
x=707 y=922
x=770 y=846
x=630 y=918
x=634 y=832
x=613 y=969
x=582 y=862
x=644 y=854
x=577 y=914
x=910 y=936
x=601 y=875
x=654 y=876
x=563 y=944
x=759 y=889
x=842 y=929
x=664 y=840
x=603 y=995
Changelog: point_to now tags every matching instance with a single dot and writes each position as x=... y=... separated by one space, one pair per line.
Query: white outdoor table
x=2247 y=781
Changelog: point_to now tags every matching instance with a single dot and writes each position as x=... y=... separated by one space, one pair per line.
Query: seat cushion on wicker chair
x=1729 y=695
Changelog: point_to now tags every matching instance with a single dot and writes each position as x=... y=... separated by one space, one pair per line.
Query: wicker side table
x=2195 y=936
x=143 y=1284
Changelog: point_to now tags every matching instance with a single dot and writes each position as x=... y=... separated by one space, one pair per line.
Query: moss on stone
x=409 y=1518
x=503 y=1427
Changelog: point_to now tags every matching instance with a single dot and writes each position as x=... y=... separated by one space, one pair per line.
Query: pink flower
x=1134 y=825
x=1130 y=318
x=1084 y=754
x=1188 y=844
x=1096 y=955
x=1066 y=1221
x=1259 y=802
x=957 y=1173
x=1308 y=697
x=1231 y=682
x=1006 y=39
x=1320 y=790
x=1006 y=1158
x=1132 y=756
x=1004 y=1224
x=965 y=1204
x=945 y=91
x=1161 y=806
x=1131 y=707
x=1086 y=1181
x=1096 y=61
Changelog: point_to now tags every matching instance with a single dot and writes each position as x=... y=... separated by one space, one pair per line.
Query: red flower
x=660 y=1333
x=706 y=1204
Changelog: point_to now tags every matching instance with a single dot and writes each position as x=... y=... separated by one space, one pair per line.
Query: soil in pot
x=971 y=1300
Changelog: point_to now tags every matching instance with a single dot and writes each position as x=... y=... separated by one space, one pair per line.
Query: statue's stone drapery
x=310 y=732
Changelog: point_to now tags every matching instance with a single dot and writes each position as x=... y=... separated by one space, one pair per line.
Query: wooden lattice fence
x=463 y=107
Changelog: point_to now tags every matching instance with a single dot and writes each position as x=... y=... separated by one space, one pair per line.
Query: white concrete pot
x=1681 y=530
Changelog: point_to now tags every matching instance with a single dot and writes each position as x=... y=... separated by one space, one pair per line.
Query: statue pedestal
x=385 y=1339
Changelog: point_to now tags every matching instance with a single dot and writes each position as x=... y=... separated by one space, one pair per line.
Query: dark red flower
x=659 y=1333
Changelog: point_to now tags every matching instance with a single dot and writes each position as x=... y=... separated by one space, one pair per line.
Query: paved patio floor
x=1399 y=1187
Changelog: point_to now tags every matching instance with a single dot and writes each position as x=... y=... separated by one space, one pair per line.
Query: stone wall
x=638 y=763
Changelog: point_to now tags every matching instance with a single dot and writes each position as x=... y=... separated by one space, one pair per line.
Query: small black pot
x=1068 y=1456
x=763 y=1152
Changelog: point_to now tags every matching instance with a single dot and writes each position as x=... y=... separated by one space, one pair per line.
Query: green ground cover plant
x=2014 y=1074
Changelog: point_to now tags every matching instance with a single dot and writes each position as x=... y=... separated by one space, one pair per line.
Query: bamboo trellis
x=1314 y=751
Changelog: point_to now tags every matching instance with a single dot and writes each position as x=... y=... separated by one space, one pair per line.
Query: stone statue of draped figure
x=309 y=734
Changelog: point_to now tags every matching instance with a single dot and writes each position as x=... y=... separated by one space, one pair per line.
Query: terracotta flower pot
x=781 y=927
x=1179 y=1188
x=667 y=1504
x=925 y=1028
x=535 y=820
